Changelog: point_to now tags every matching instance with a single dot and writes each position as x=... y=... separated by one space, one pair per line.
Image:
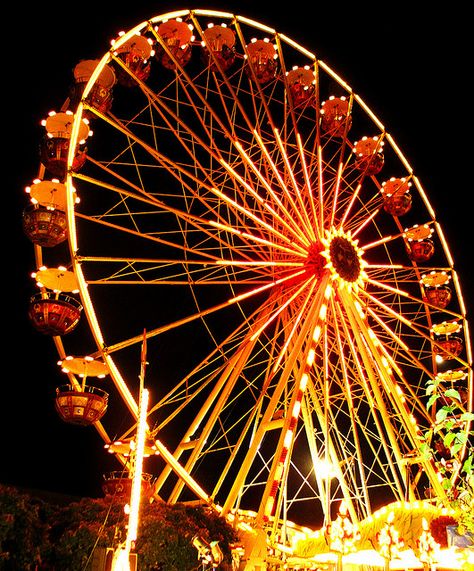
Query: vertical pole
x=121 y=560
x=135 y=495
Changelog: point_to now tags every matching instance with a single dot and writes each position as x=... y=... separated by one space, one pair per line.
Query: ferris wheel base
x=255 y=551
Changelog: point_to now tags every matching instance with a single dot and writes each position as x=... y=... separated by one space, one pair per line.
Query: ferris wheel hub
x=344 y=259
x=239 y=200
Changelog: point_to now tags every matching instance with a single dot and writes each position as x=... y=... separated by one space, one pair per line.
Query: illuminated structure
x=428 y=548
x=291 y=264
x=343 y=535
x=389 y=541
x=121 y=561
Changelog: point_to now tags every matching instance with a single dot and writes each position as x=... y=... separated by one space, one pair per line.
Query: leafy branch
x=453 y=450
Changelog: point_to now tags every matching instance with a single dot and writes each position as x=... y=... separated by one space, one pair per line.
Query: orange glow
x=316 y=236
x=282 y=307
x=309 y=333
x=287 y=220
x=281 y=183
x=300 y=209
x=135 y=495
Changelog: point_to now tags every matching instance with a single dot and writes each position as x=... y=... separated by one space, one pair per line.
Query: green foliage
x=166 y=534
x=35 y=532
x=451 y=419
x=81 y=526
x=165 y=541
x=23 y=530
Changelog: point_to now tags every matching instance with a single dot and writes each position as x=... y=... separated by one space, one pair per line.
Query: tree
x=452 y=416
x=166 y=533
x=78 y=528
x=37 y=534
x=23 y=530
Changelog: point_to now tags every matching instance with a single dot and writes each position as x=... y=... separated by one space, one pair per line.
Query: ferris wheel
x=214 y=190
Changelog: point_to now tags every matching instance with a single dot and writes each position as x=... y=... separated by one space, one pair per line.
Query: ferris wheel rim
x=77 y=260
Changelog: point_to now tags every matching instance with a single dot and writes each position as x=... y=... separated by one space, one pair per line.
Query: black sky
x=412 y=69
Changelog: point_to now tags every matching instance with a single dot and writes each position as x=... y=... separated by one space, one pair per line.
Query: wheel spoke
x=249 y=211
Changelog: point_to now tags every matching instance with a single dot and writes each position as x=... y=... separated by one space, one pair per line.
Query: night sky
x=402 y=65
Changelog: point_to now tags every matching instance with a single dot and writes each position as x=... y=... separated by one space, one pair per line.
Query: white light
x=324 y=468
x=137 y=479
x=121 y=560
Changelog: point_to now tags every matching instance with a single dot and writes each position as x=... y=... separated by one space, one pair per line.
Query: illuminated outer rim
x=346 y=263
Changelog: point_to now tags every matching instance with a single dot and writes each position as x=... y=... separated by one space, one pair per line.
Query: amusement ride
x=212 y=189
